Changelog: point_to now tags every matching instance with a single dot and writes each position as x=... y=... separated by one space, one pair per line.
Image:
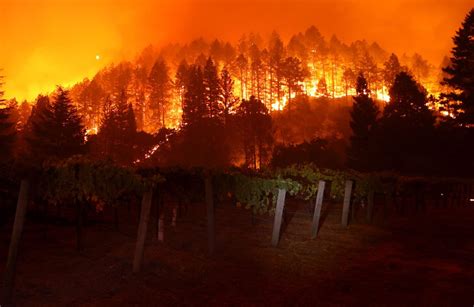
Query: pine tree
x=212 y=88
x=293 y=73
x=277 y=53
x=181 y=79
x=405 y=131
x=461 y=70
x=56 y=130
x=363 y=120
x=349 y=79
x=241 y=64
x=323 y=87
x=7 y=131
x=160 y=85
x=229 y=102
x=194 y=106
x=256 y=131
x=117 y=132
x=408 y=102
x=391 y=69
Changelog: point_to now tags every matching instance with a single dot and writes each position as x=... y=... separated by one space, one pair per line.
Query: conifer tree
x=7 y=131
x=160 y=86
x=461 y=71
x=194 y=106
x=363 y=120
x=229 y=102
x=212 y=88
x=391 y=69
x=56 y=130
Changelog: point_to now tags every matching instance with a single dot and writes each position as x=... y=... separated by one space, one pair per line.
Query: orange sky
x=49 y=42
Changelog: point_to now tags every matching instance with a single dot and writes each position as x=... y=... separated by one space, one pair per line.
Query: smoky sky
x=48 y=42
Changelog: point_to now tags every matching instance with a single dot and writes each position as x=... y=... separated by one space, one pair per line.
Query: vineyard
x=289 y=205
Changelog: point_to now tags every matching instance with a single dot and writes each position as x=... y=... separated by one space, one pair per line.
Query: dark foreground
x=422 y=259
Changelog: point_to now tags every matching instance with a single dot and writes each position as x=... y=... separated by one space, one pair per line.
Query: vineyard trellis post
x=317 y=209
x=211 y=233
x=278 y=216
x=9 y=277
x=142 y=230
x=347 y=202
x=370 y=205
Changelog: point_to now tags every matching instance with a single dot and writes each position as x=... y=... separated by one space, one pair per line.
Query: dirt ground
x=419 y=259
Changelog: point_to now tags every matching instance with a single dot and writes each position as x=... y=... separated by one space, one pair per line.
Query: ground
x=420 y=258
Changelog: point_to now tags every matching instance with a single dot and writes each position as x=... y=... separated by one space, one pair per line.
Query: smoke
x=49 y=42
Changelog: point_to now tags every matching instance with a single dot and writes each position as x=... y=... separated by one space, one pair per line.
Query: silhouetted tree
x=368 y=67
x=363 y=120
x=405 y=131
x=420 y=67
x=160 y=85
x=461 y=70
x=229 y=102
x=212 y=88
x=349 y=79
x=241 y=64
x=182 y=79
x=391 y=69
x=293 y=74
x=7 y=130
x=276 y=54
x=256 y=132
x=323 y=87
x=194 y=105
x=56 y=130
x=117 y=132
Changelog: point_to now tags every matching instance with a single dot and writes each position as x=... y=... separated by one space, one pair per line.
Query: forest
x=246 y=124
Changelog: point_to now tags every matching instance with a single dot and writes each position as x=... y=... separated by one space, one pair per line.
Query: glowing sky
x=49 y=42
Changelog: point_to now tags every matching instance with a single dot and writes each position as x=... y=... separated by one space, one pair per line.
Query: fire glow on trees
x=274 y=71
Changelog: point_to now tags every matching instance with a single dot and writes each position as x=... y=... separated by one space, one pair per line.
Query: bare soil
x=419 y=259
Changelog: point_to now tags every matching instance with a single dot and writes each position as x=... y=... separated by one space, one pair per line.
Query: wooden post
x=9 y=277
x=174 y=216
x=142 y=230
x=387 y=205
x=278 y=216
x=161 y=227
x=370 y=206
x=79 y=225
x=211 y=232
x=317 y=209
x=347 y=202
x=116 y=217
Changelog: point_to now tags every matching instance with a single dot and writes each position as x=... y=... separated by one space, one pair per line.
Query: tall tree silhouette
x=349 y=79
x=229 y=102
x=363 y=120
x=293 y=73
x=117 y=133
x=461 y=70
x=160 y=91
x=212 y=88
x=7 y=131
x=323 y=87
x=181 y=79
x=256 y=132
x=406 y=127
x=391 y=69
x=56 y=130
x=277 y=53
x=241 y=65
x=194 y=105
